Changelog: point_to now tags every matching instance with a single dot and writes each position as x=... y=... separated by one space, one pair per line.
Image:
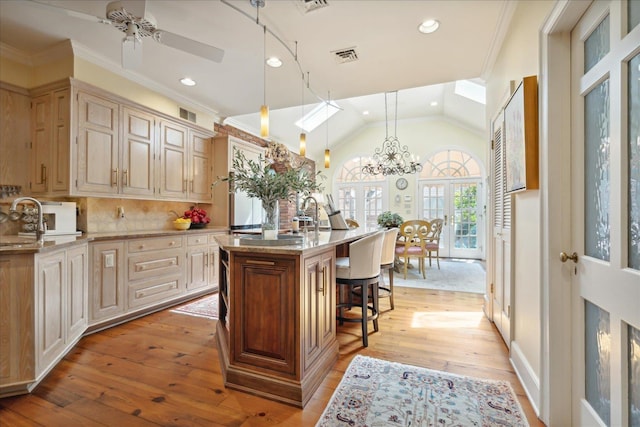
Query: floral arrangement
x=260 y=179
x=279 y=153
x=389 y=220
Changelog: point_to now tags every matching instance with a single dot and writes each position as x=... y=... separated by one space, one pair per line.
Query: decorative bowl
x=181 y=225
x=198 y=225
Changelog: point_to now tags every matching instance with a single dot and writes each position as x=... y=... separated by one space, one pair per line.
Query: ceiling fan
x=132 y=18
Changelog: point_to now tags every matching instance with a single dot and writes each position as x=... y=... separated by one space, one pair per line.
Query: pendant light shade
x=327 y=158
x=264 y=121
x=303 y=144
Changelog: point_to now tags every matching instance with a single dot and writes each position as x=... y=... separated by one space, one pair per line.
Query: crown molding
x=500 y=33
x=14 y=54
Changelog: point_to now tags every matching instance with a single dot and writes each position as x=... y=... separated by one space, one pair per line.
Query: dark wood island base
x=276 y=333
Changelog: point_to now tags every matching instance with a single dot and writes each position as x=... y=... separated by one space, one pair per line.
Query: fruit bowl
x=197 y=225
x=181 y=225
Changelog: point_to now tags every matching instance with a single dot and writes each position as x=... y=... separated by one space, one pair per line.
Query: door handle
x=564 y=257
x=445 y=220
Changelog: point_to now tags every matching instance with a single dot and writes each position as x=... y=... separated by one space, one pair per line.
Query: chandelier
x=392 y=158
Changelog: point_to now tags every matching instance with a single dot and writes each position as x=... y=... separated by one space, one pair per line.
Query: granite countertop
x=12 y=244
x=310 y=241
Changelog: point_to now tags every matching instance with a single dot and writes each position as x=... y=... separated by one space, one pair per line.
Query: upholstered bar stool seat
x=360 y=270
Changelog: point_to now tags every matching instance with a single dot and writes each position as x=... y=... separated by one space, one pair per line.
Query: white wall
x=422 y=137
x=518 y=58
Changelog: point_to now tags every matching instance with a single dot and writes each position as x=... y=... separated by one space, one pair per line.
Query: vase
x=270 y=219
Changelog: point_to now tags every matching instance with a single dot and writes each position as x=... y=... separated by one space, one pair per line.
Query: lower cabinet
x=43 y=313
x=106 y=294
x=197 y=261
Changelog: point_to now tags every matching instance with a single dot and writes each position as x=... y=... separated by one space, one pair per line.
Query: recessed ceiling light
x=434 y=103
x=365 y=113
x=187 y=81
x=429 y=26
x=274 y=62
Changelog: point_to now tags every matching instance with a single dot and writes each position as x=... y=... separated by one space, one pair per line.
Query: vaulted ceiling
x=391 y=55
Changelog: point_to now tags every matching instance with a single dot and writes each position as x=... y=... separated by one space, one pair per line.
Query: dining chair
x=433 y=239
x=351 y=223
x=412 y=243
x=360 y=270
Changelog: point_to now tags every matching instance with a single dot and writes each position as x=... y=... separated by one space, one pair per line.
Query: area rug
x=375 y=392
x=203 y=307
x=458 y=275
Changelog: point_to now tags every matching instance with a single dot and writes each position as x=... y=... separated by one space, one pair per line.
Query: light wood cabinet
x=106 y=293
x=197 y=262
x=50 y=142
x=43 y=313
x=155 y=270
x=185 y=163
x=138 y=153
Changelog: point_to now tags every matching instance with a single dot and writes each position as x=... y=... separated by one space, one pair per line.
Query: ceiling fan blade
x=131 y=53
x=69 y=12
x=191 y=46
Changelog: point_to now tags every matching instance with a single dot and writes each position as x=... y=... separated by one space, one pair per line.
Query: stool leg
x=376 y=310
x=391 y=287
x=365 y=314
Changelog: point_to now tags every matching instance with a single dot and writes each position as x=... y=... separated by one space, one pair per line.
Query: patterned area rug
x=204 y=307
x=460 y=275
x=375 y=392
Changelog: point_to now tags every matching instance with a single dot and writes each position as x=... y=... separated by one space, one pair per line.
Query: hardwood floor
x=163 y=369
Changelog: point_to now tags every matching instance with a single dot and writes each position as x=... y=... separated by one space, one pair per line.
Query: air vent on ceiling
x=311 y=5
x=345 y=55
x=187 y=115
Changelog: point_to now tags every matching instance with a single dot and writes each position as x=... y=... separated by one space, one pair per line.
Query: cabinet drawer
x=162 y=263
x=200 y=239
x=152 y=291
x=154 y=244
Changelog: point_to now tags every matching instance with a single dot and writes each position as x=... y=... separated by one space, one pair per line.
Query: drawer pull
x=172 y=243
x=250 y=261
x=141 y=247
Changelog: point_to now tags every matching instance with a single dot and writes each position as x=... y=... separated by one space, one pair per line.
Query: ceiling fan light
x=429 y=26
x=303 y=144
x=264 y=121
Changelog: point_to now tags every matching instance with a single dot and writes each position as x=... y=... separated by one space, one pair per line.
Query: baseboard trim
x=528 y=378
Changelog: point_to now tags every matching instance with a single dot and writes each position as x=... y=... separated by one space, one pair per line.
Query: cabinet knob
x=141 y=247
x=172 y=243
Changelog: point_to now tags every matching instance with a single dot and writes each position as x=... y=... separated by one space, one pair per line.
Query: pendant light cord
x=264 y=65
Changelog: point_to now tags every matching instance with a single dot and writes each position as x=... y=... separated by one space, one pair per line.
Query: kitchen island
x=277 y=330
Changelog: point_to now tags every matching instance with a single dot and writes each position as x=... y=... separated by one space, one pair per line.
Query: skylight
x=472 y=91
x=318 y=115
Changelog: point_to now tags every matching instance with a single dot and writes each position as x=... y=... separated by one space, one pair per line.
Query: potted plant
x=389 y=220
x=260 y=179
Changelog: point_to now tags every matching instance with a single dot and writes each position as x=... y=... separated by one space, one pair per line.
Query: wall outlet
x=120 y=212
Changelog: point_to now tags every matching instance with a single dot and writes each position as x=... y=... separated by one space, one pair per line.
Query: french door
x=458 y=202
x=604 y=260
x=362 y=201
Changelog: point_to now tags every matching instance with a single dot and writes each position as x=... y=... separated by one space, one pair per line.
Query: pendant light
x=303 y=136
x=264 y=109
x=327 y=152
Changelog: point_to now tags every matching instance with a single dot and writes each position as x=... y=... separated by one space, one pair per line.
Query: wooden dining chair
x=433 y=239
x=412 y=243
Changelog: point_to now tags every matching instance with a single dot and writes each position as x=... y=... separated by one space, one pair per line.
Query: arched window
x=450 y=187
x=360 y=196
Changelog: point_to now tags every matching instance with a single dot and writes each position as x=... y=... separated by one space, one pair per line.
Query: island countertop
x=311 y=241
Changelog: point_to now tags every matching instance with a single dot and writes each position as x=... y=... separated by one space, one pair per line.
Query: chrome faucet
x=40 y=224
x=316 y=219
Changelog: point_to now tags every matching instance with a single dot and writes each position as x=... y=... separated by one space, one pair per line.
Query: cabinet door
x=50 y=308
x=173 y=161
x=77 y=313
x=214 y=269
x=61 y=128
x=317 y=300
x=265 y=312
x=40 y=142
x=106 y=293
x=98 y=145
x=200 y=167
x=197 y=267
x=138 y=153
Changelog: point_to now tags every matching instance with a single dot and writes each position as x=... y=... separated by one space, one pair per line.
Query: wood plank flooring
x=163 y=369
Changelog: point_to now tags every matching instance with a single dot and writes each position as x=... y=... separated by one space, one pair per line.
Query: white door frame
x=555 y=152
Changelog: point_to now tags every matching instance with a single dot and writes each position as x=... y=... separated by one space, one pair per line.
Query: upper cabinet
x=88 y=142
x=50 y=141
x=185 y=162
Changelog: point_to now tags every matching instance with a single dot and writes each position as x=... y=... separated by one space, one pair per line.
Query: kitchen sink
x=282 y=240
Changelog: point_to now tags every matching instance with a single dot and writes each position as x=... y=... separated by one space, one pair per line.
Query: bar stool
x=387 y=262
x=360 y=270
